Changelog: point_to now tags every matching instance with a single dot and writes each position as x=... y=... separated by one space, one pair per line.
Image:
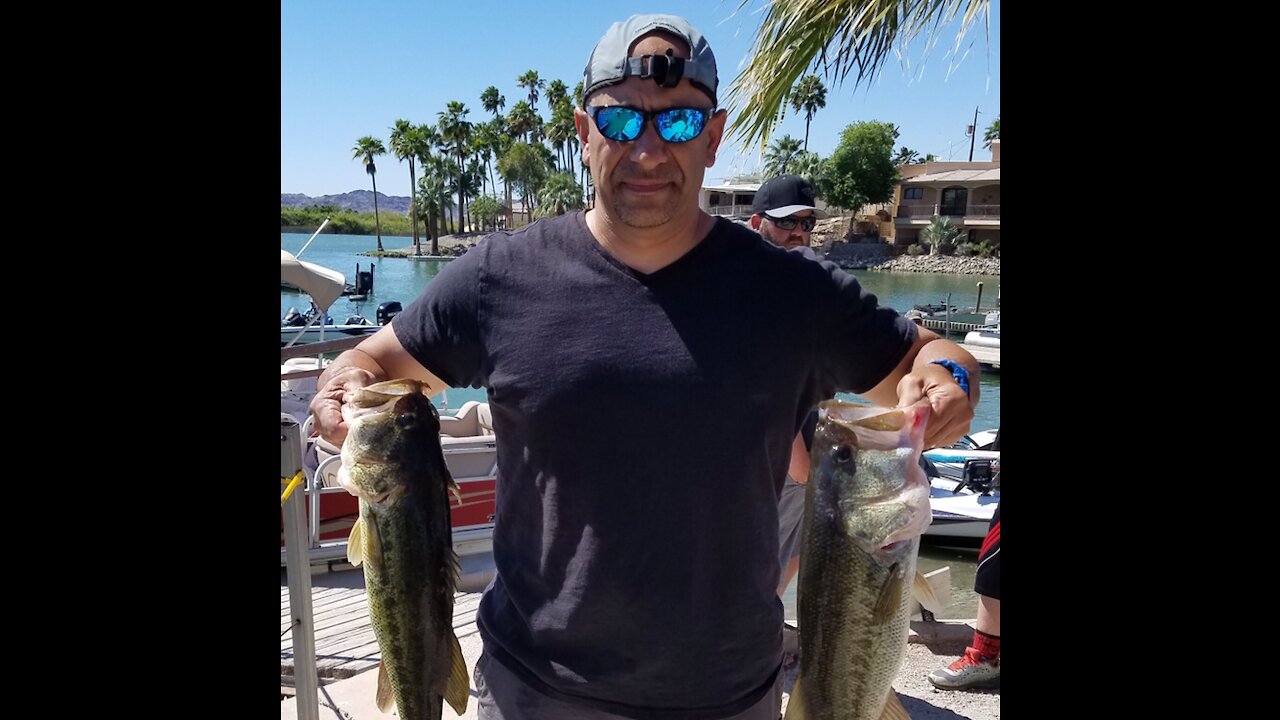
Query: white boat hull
x=331 y=332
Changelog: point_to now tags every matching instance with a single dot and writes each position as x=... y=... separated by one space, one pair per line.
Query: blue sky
x=349 y=69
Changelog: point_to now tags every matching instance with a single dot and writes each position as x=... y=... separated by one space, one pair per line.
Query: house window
x=954 y=201
x=913 y=194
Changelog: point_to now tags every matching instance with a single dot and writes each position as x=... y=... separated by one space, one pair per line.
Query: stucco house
x=967 y=193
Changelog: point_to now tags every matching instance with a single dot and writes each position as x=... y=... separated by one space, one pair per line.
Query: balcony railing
x=924 y=210
x=729 y=210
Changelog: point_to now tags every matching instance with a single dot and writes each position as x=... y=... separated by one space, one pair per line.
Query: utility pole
x=974 y=137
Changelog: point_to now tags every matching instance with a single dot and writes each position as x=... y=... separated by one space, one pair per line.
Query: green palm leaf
x=841 y=36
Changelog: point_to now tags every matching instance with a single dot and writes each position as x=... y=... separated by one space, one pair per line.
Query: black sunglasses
x=790 y=222
x=624 y=124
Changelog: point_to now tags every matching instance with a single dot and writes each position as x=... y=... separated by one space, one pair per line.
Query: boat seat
x=472 y=419
x=302 y=387
x=466 y=438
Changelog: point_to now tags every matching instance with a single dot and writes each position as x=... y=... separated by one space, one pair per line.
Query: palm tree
x=561 y=132
x=367 y=147
x=559 y=194
x=403 y=138
x=492 y=101
x=809 y=166
x=488 y=142
x=926 y=159
x=427 y=204
x=785 y=151
x=456 y=131
x=905 y=156
x=530 y=80
x=843 y=35
x=993 y=133
x=522 y=119
x=557 y=92
x=809 y=95
x=939 y=232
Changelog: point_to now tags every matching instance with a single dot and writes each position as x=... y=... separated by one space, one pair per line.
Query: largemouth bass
x=866 y=505
x=392 y=461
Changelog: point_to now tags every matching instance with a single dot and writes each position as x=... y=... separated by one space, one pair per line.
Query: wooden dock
x=344 y=639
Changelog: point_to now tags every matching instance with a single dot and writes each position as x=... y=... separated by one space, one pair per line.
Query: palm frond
x=839 y=36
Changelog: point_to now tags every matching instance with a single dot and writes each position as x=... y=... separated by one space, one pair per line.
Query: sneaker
x=967 y=672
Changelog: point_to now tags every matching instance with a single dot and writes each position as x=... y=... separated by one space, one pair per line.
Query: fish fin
x=458 y=688
x=923 y=593
x=893 y=709
x=454 y=569
x=373 y=546
x=889 y=602
x=386 y=698
x=795 y=703
x=355 y=543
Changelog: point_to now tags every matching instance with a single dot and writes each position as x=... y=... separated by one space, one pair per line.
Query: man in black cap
x=646 y=372
x=784 y=212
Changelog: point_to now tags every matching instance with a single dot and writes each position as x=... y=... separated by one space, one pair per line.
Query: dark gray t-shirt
x=644 y=426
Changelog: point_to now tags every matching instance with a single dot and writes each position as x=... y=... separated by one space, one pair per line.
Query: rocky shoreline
x=826 y=240
x=923 y=264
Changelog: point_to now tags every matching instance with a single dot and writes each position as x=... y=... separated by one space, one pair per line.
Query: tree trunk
x=376 y=223
x=462 y=201
x=511 y=218
x=413 y=209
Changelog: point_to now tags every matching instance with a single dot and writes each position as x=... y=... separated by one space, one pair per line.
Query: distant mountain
x=356 y=201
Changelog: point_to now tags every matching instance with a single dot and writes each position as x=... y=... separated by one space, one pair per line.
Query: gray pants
x=504 y=696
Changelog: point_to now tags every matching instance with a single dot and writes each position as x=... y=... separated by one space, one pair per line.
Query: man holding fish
x=647 y=374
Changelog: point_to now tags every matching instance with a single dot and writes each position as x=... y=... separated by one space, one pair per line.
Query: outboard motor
x=979 y=475
x=388 y=310
x=364 y=280
x=293 y=318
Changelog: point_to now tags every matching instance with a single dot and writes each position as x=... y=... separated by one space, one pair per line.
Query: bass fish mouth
x=346 y=483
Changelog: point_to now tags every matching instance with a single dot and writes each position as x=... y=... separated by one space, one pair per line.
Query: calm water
x=402 y=280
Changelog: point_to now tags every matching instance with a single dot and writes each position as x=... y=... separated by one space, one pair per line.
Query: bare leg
x=793 y=567
x=988 y=615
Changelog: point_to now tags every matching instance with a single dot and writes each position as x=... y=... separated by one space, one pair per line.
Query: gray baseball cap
x=609 y=63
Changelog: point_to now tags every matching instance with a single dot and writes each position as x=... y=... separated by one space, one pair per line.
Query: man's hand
x=949 y=406
x=326 y=406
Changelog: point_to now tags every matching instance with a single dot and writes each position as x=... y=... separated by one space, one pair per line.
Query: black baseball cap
x=783 y=195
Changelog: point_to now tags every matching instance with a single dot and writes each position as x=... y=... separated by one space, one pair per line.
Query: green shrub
x=915 y=249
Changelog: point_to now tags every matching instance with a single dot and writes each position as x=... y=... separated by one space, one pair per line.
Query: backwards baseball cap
x=784 y=195
x=609 y=63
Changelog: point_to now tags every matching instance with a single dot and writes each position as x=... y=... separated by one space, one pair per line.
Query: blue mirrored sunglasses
x=624 y=124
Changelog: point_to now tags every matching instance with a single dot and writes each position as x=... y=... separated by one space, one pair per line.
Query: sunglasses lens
x=679 y=125
x=619 y=123
x=789 y=223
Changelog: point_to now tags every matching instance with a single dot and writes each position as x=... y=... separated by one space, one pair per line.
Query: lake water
x=402 y=279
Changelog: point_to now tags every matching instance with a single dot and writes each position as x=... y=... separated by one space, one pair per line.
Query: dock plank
x=345 y=643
